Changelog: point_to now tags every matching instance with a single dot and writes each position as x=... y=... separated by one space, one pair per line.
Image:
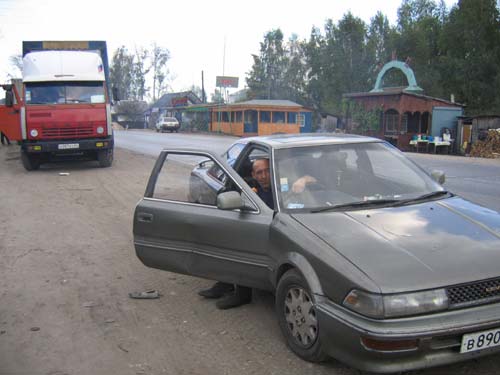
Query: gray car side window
x=187 y=178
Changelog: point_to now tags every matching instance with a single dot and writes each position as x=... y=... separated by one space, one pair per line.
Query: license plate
x=480 y=340
x=66 y=146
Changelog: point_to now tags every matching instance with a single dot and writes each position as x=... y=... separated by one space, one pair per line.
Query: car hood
x=421 y=246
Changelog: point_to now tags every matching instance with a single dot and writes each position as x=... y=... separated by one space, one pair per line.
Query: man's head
x=260 y=171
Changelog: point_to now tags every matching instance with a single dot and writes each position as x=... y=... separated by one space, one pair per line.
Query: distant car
x=374 y=263
x=169 y=124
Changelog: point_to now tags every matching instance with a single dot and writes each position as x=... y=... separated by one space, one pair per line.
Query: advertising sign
x=180 y=102
x=223 y=81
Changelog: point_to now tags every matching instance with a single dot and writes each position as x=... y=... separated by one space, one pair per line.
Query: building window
x=292 y=117
x=404 y=123
x=279 y=117
x=301 y=120
x=265 y=116
x=225 y=117
x=391 y=121
x=238 y=116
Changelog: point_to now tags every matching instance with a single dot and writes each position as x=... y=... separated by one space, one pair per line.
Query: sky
x=217 y=37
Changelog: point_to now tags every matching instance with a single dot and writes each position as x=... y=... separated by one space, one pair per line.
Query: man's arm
x=299 y=185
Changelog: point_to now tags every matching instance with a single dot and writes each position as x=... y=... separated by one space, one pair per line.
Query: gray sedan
x=372 y=262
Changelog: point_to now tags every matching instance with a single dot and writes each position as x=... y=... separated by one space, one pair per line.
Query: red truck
x=63 y=109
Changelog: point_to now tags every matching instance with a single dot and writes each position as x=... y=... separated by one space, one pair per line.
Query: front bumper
x=68 y=146
x=439 y=336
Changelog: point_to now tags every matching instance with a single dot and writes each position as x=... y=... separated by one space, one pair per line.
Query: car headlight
x=34 y=133
x=100 y=130
x=396 y=305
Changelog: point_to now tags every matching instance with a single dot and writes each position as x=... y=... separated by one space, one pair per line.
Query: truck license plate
x=480 y=340
x=66 y=146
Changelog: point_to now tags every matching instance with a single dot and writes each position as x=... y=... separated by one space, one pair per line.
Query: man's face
x=260 y=171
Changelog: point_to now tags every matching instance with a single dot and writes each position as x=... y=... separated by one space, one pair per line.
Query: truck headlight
x=396 y=305
x=100 y=130
x=34 y=133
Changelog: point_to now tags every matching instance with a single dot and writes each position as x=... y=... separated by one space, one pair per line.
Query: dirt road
x=67 y=264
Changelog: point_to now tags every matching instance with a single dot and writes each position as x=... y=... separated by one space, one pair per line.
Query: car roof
x=301 y=140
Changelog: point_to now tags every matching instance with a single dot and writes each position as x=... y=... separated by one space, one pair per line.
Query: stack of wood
x=489 y=148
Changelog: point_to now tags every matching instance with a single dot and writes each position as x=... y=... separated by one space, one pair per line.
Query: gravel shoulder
x=68 y=263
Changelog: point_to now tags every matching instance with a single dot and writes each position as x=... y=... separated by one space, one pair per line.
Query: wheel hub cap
x=301 y=317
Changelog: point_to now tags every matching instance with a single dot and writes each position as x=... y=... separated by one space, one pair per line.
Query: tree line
x=452 y=51
x=129 y=72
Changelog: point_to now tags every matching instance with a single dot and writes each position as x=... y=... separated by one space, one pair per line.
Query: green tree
x=420 y=25
x=142 y=67
x=363 y=120
x=121 y=73
x=159 y=59
x=267 y=77
x=337 y=62
x=380 y=45
x=295 y=75
x=471 y=43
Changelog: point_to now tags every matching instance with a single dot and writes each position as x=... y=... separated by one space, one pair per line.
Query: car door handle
x=145 y=218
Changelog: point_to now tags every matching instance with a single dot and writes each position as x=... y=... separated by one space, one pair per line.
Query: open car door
x=179 y=225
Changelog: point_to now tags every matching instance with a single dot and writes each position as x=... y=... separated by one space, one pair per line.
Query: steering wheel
x=315 y=186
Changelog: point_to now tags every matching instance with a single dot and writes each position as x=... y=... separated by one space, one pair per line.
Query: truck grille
x=66 y=132
x=474 y=294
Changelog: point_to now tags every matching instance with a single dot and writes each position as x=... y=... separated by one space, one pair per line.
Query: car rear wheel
x=30 y=162
x=297 y=317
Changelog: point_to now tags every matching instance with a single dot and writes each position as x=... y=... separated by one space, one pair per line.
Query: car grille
x=474 y=294
x=64 y=132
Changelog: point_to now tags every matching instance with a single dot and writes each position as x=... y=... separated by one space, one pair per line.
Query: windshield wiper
x=434 y=194
x=359 y=204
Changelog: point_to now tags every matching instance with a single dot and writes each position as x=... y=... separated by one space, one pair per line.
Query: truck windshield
x=64 y=92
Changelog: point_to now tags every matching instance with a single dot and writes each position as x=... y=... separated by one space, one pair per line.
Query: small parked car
x=169 y=124
x=373 y=263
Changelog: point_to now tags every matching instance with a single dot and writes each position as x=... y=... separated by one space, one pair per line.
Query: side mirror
x=230 y=200
x=438 y=176
x=9 y=98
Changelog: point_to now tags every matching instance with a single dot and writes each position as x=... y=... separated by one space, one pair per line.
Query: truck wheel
x=297 y=317
x=30 y=162
x=105 y=158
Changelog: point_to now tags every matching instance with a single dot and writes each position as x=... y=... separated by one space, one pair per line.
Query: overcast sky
x=194 y=31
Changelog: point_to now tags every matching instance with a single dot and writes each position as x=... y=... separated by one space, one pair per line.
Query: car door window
x=192 y=179
x=234 y=151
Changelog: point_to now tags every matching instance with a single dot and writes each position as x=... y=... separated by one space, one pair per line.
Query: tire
x=297 y=317
x=157 y=130
x=105 y=158
x=30 y=162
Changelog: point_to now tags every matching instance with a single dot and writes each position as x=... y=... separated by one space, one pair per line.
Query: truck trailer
x=64 y=108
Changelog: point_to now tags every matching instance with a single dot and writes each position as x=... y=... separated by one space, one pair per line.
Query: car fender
x=299 y=262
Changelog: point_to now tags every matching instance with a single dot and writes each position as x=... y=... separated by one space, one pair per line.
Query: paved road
x=475 y=179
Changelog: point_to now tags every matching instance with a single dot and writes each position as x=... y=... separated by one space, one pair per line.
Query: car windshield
x=64 y=92
x=317 y=178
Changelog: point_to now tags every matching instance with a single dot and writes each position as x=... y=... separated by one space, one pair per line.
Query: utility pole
x=203 y=95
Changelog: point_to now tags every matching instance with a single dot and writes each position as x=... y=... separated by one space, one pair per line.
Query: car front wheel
x=297 y=317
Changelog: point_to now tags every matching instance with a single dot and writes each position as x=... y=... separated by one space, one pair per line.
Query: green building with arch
x=405 y=112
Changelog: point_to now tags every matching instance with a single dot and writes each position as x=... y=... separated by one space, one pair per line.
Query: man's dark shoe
x=241 y=296
x=218 y=290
